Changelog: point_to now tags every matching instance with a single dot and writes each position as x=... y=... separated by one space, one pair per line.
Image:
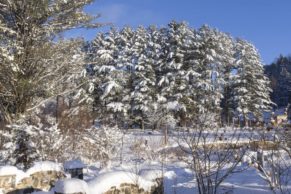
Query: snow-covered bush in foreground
x=101 y=144
x=26 y=144
x=20 y=148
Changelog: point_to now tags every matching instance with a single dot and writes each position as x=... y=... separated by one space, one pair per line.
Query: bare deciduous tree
x=30 y=53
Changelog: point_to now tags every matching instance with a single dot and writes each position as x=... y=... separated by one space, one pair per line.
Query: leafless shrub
x=210 y=163
x=275 y=161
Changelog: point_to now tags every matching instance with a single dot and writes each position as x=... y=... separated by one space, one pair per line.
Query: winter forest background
x=66 y=98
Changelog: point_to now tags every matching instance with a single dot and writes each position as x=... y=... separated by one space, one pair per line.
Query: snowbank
x=8 y=170
x=71 y=186
x=151 y=175
x=12 y=170
x=249 y=157
x=72 y=164
x=44 y=166
x=247 y=181
x=105 y=181
x=42 y=192
x=170 y=175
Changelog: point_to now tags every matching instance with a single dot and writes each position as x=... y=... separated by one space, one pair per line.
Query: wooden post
x=57 y=109
x=260 y=159
x=289 y=112
x=166 y=135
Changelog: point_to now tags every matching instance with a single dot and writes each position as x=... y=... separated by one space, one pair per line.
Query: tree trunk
x=166 y=135
x=142 y=124
x=183 y=120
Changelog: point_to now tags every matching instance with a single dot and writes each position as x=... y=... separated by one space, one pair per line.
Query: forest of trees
x=143 y=77
x=142 y=73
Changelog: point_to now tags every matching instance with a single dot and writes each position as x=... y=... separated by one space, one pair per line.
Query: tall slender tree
x=251 y=90
x=143 y=76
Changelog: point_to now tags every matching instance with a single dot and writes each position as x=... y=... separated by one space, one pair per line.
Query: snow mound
x=71 y=186
x=249 y=157
x=151 y=175
x=44 y=166
x=72 y=164
x=105 y=181
x=8 y=170
x=170 y=175
x=12 y=170
x=42 y=192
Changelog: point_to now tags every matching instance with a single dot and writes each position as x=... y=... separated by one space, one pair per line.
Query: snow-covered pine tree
x=180 y=39
x=155 y=54
x=164 y=81
x=112 y=74
x=126 y=64
x=23 y=150
x=225 y=50
x=27 y=29
x=172 y=61
x=251 y=91
x=104 y=52
x=210 y=62
x=143 y=76
x=192 y=76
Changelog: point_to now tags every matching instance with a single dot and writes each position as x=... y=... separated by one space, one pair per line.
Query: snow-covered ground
x=140 y=161
x=143 y=158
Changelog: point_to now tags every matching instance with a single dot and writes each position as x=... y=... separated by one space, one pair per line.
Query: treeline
x=143 y=76
x=138 y=76
x=279 y=73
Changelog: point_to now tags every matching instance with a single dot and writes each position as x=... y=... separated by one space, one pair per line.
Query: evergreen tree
x=212 y=60
x=23 y=150
x=126 y=64
x=143 y=75
x=226 y=64
x=112 y=74
x=155 y=54
x=251 y=91
x=180 y=39
x=208 y=91
x=171 y=71
x=279 y=72
x=106 y=85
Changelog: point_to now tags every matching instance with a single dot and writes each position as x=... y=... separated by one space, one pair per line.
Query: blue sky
x=265 y=23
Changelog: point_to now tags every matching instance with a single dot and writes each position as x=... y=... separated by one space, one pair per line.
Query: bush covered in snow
x=25 y=144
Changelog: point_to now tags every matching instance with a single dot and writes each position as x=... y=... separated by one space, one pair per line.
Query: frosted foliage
x=187 y=71
x=102 y=143
x=250 y=85
x=35 y=63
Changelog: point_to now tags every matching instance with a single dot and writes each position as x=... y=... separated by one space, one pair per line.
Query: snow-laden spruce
x=250 y=87
x=144 y=72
